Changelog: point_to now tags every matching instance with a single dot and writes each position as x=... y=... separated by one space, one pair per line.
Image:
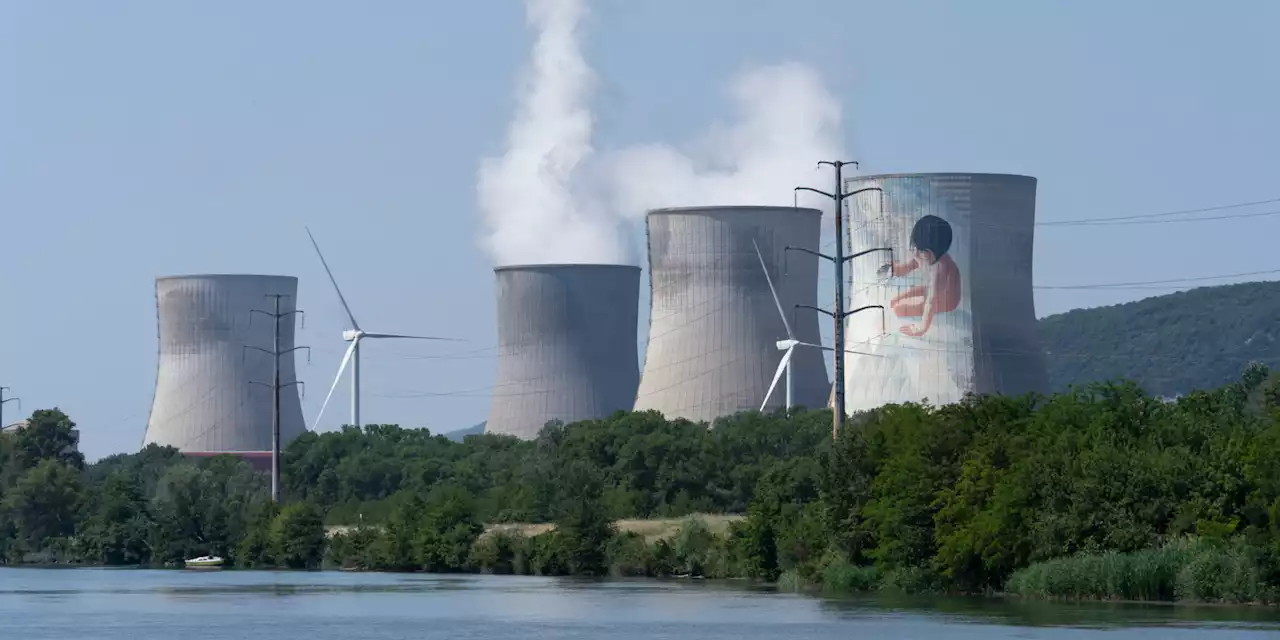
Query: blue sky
x=145 y=138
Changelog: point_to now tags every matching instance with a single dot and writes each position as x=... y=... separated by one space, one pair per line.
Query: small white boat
x=204 y=562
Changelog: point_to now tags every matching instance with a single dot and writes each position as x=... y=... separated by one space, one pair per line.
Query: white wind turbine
x=352 y=356
x=789 y=345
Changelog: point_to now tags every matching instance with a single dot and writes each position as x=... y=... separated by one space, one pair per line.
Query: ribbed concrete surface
x=988 y=343
x=567 y=345
x=204 y=402
x=713 y=325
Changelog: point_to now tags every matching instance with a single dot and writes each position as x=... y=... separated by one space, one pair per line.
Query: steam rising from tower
x=784 y=121
x=550 y=198
x=530 y=213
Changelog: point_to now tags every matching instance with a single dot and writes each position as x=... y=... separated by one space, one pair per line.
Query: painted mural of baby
x=940 y=293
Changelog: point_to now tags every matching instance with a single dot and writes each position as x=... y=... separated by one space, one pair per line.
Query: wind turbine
x=352 y=356
x=789 y=345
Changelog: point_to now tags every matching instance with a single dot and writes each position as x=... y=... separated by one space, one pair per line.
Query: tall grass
x=834 y=575
x=839 y=576
x=1183 y=569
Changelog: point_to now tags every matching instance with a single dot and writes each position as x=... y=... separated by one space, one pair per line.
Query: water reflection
x=151 y=605
x=1031 y=613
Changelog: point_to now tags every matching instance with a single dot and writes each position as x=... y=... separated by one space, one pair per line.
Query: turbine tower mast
x=354 y=335
x=355 y=381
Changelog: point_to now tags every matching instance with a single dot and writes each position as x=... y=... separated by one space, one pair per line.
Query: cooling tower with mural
x=958 y=309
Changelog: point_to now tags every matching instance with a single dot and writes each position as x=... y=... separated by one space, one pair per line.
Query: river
x=108 y=604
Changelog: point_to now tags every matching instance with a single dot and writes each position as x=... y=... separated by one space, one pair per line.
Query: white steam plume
x=785 y=122
x=549 y=199
x=526 y=196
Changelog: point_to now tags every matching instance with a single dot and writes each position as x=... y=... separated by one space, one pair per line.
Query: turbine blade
x=773 y=292
x=777 y=375
x=400 y=335
x=354 y=325
x=346 y=359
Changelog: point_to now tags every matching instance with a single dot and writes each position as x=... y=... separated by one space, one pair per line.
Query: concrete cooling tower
x=959 y=312
x=204 y=401
x=567 y=345
x=714 y=326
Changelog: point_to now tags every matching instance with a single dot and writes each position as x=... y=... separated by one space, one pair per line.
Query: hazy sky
x=145 y=138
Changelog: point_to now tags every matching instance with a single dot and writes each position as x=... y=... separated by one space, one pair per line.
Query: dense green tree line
x=647 y=466
x=153 y=507
x=1099 y=492
x=158 y=507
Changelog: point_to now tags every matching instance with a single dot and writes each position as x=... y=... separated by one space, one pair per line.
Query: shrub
x=839 y=576
x=1191 y=569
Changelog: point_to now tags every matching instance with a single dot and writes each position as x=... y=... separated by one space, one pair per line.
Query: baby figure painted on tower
x=940 y=291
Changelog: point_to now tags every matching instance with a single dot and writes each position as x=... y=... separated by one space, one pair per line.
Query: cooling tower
x=208 y=398
x=714 y=326
x=959 y=312
x=567 y=345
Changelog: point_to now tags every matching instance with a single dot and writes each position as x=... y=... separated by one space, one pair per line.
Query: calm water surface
x=185 y=605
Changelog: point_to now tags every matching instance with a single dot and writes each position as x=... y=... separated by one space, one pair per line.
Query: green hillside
x=1169 y=344
x=461 y=434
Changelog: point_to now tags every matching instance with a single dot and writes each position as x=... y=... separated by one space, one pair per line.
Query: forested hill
x=1169 y=344
x=461 y=434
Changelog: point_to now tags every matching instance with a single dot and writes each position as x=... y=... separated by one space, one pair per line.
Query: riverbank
x=1186 y=570
x=651 y=529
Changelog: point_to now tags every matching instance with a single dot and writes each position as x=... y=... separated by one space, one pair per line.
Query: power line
x=1167 y=214
x=1075 y=355
x=1120 y=285
x=1165 y=217
x=1235 y=216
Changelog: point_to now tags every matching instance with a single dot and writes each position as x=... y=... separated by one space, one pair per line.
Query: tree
x=48 y=435
x=186 y=513
x=584 y=526
x=42 y=505
x=205 y=507
x=256 y=550
x=447 y=530
x=297 y=536
x=8 y=462
x=116 y=532
x=756 y=541
x=847 y=474
x=397 y=548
